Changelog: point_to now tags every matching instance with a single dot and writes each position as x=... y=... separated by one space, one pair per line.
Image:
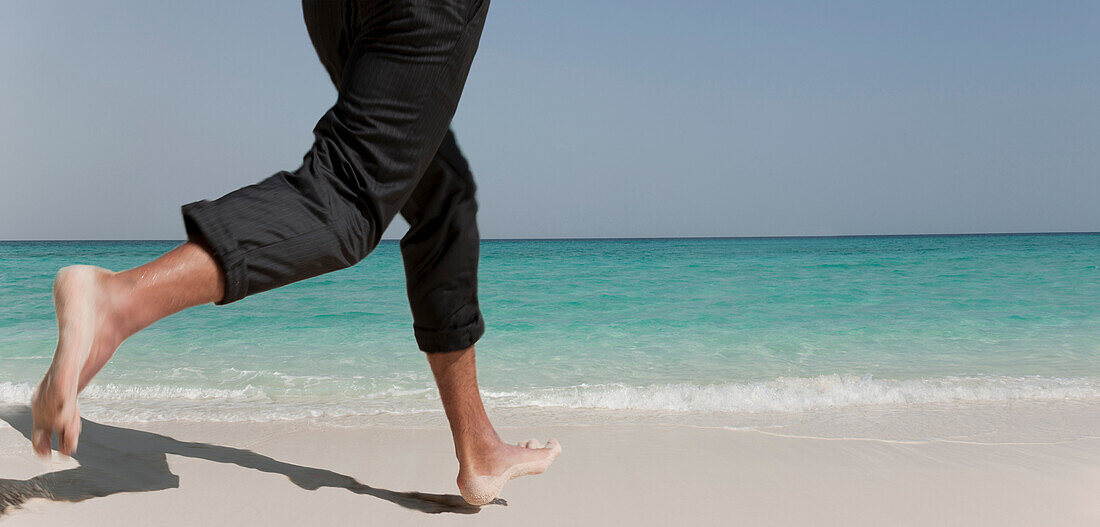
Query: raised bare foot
x=87 y=336
x=481 y=479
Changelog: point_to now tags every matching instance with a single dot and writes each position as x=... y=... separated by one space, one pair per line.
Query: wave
x=21 y=393
x=799 y=394
x=120 y=403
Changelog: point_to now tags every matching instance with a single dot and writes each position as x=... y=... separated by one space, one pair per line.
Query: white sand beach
x=996 y=464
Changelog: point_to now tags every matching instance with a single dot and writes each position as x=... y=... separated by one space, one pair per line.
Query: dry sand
x=996 y=465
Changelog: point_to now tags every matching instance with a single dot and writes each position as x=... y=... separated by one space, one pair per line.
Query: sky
x=594 y=118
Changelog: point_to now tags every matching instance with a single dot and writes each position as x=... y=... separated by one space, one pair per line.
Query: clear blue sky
x=583 y=118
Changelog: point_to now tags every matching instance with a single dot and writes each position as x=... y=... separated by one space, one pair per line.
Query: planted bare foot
x=481 y=479
x=87 y=335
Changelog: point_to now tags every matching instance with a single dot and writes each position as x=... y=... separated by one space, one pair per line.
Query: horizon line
x=636 y=238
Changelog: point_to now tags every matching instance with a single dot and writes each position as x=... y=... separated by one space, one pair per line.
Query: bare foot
x=481 y=480
x=87 y=336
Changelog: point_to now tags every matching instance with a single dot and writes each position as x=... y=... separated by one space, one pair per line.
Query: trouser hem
x=449 y=340
x=205 y=228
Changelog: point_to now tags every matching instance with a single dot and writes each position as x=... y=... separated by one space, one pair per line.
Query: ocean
x=653 y=329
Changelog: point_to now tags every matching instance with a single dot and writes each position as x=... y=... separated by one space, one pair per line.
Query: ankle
x=474 y=446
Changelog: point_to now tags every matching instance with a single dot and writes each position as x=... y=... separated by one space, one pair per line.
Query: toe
x=68 y=439
x=40 y=439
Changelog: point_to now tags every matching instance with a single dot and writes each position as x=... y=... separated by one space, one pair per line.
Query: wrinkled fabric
x=384 y=148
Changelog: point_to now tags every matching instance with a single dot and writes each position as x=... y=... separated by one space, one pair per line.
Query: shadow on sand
x=114 y=460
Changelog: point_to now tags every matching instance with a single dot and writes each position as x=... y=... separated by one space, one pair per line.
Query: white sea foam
x=798 y=394
x=21 y=393
x=128 y=404
x=118 y=403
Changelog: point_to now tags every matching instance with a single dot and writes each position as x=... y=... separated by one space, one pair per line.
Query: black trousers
x=384 y=148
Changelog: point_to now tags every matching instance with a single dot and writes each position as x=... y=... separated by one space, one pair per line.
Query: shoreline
x=734 y=404
x=1007 y=464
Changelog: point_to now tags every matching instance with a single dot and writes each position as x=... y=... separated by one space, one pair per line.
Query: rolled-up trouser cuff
x=450 y=339
x=205 y=228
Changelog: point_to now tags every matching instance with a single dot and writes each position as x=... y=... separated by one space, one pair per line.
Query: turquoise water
x=670 y=325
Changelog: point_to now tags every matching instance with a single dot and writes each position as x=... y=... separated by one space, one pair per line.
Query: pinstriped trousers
x=384 y=148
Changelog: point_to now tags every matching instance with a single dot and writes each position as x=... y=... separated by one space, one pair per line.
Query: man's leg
x=485 y=462
x=96 y=311
x=398 y=93
x=440 y=252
